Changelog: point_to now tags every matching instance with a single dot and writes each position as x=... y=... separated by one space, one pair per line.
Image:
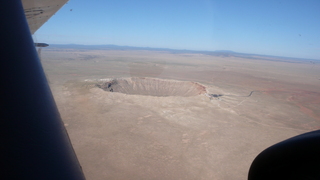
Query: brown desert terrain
x=137 y=114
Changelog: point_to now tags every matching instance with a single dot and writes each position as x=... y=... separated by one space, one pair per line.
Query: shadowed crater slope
x=153 y=87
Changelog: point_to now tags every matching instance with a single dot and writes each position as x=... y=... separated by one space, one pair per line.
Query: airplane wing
x=39 y=11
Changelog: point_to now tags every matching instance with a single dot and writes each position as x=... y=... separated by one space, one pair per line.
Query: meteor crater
x=153 y=87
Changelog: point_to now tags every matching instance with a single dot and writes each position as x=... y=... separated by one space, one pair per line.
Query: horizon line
x=193 y=51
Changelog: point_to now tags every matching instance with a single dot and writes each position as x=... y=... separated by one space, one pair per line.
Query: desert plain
x=152 y=114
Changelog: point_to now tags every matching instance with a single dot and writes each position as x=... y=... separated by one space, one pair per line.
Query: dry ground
x=120 y=136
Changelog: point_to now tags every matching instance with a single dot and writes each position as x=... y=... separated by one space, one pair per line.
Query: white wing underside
x=39 y=11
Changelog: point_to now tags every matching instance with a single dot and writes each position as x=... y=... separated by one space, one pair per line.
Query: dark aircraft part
x=41 y=44
x=34 y=142
x=294 y=158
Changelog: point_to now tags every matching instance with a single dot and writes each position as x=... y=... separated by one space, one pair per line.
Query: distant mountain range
x=219 y=53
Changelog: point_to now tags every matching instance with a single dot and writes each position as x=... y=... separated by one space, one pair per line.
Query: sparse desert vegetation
x=158 y=123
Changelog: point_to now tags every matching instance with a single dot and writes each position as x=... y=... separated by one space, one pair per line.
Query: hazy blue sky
x=272 y=27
